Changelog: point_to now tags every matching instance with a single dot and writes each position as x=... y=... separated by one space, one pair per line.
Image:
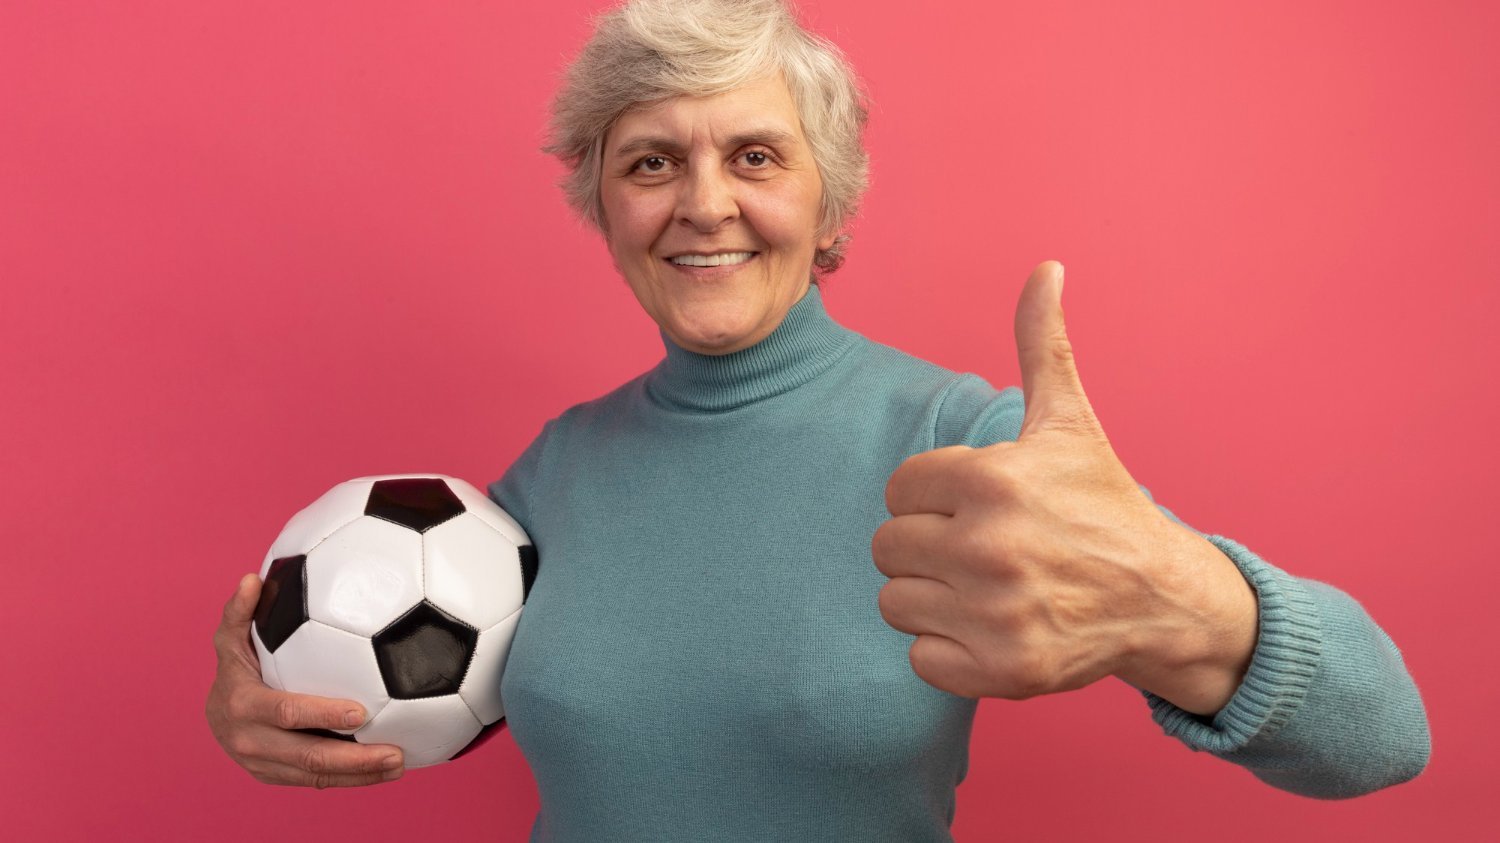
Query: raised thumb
x=1049 y=377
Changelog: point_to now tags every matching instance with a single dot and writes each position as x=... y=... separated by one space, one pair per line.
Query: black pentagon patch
x=528 y=569
x=419 y=503
x=483 y=737
x=424 y=653
x=283 y=601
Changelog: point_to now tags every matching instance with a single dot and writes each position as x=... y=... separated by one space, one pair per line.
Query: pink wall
x=249 y=252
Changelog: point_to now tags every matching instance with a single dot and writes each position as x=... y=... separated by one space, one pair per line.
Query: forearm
x=1326 y=709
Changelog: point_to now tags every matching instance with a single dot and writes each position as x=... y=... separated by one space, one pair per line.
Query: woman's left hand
x=1040 y=566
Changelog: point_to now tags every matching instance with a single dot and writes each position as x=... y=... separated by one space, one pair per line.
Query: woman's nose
x=707 y=200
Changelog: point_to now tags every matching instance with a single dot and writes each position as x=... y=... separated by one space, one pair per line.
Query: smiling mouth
x=725 y=259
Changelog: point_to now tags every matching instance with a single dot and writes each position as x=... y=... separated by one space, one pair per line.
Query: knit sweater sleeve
x=1327 y=708
x=512 y=492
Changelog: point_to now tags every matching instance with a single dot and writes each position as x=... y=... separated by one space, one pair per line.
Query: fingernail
x=353 y=718
x=390 y=762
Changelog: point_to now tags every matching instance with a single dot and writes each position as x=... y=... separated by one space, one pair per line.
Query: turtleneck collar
x=806 y=343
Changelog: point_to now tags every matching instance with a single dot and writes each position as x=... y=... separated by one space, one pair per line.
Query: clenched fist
x=1040 y=566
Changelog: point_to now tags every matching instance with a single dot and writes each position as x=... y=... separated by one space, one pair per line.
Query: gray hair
x=649 y=50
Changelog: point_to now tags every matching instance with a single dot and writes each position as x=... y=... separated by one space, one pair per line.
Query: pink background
x=252 y=250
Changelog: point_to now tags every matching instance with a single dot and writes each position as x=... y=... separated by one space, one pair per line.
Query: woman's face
x=727 y=179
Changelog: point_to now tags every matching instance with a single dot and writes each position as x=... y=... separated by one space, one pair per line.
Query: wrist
x=1198 y=654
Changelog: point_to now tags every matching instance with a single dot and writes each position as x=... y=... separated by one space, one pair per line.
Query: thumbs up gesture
x=1040 y=566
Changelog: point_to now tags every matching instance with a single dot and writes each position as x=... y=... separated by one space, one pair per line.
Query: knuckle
x=893 y=488
x=228 y=647
x=240 y=746
x=993 y=477
x=1061 y=348
x=919 y=655
x=880 y=543
x=315 y=760
x=884 y=599
x=993 y=616
x=1003 y=550
x=286 y=714
x=971 y=544
x=918 y=661
x=235 y=708
x=926 y=666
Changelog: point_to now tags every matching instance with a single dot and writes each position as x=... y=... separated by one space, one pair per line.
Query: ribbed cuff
x=1287 y=651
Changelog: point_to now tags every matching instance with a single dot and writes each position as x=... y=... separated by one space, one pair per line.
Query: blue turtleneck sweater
x=702 y=656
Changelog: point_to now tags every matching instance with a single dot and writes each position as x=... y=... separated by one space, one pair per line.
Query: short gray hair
x=649 y=50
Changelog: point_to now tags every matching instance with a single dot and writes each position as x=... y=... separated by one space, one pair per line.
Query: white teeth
x=713 y=260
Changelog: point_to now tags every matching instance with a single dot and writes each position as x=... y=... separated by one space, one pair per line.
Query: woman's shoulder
x=609 y=405
x=966 y=408
x=909 y=367
x=513 y=490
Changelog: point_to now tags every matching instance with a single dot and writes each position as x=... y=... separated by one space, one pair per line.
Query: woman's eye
x=651 y=164
x=757 y=159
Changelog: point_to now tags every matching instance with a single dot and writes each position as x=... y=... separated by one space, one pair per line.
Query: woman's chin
x=713 y=336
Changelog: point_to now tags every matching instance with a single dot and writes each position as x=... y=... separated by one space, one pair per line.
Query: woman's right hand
x=254 y=722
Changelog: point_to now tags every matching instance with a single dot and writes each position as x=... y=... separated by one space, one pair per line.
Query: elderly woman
x=779 y=569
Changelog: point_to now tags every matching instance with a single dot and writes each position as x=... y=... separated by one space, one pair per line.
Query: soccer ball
x=401 y=592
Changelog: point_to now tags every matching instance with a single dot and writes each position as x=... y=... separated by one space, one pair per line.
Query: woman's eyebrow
x=764 y=137
x=657 y=143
